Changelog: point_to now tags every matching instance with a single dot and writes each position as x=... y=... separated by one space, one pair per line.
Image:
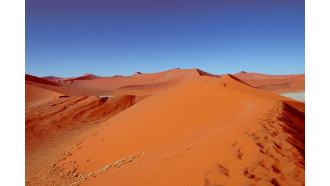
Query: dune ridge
x=150 y=83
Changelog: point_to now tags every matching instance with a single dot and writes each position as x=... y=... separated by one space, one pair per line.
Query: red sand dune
x=50 y=78
x=45 y=120
x=75 y=91
x=86 y=76
x=196 y=129
x=113 y=83
x=274 y=83
x=64 y=89
x=292 y=86
x=144 y=84
x=34 y=93
x=39 y=80
x=147 y=84
x=237 y=84
x=70 y=81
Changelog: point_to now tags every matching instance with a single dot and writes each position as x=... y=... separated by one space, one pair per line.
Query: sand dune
x=113 y=83
x=51 y=123
x=69 y=90
x=86 y=76
x=34 y=93
x=294 y=86
x=50 y=78
x=64 y=112
x=195 y=129
x=274 y=83
x=75 y=91
x=39 y=80
x=233 y=82
x=151 y=83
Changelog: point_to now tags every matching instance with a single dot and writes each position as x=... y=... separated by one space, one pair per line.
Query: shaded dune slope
x=53 y=123
x=69 y=113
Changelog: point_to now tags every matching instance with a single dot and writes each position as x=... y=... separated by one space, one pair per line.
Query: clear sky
x=68 y=38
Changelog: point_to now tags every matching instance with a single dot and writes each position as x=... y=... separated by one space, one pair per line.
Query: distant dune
x=141 y=83
x=177 y=127
x=69 y=81
x=274 y=83
x=50 y=78
x=63 y=88
x=39 y=80
x=112 y=83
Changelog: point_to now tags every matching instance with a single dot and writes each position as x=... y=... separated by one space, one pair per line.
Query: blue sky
x=120 y=37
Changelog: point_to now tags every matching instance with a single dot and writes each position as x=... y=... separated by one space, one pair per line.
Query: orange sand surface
x=177 y=127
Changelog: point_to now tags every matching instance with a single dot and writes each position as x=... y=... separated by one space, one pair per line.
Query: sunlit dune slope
x=197 y=133
x=34 y=93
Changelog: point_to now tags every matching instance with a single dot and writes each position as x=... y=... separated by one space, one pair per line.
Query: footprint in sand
x=239 y=154
x=223 y=170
